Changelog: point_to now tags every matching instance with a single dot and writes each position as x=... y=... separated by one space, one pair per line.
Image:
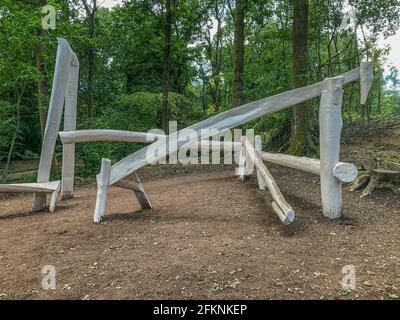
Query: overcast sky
x=393 y=42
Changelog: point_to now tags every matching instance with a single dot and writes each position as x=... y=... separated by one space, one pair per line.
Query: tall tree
x=167 y=63
x=238 y=67
x=91 y=9
x=301 y=118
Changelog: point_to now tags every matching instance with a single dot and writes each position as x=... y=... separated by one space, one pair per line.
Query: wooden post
x=58 y=91
x=258 y=146
x=240 y=171
x=330 y=122
x=103 y=180
x=71 y=100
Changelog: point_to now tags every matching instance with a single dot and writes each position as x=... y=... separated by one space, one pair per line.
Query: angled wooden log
x=344 y=172
x=71 y=100
x=58 y=92
x=102 y=188
x=280 y=206
x=258 y=146
x=330 y=119
x=133 y=183
x=53 y=198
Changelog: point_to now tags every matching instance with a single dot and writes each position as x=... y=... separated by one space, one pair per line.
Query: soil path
x=208 y=236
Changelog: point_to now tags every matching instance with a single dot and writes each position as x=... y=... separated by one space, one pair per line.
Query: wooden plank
x=58 y=92
x=102 y=189
x=47 y=187
x=71 y=100
x=223 y=121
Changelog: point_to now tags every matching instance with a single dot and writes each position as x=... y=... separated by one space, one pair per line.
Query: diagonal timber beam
x=280 y=206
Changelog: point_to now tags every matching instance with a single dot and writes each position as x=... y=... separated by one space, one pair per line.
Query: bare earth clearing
x=209 y=236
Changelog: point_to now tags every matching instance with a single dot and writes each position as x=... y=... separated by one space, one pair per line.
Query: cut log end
x=286 y=218
x=345 y=172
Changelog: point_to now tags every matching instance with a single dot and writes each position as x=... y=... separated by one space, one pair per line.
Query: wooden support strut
x=133 y=183
x=280 y=206
x=258 y=146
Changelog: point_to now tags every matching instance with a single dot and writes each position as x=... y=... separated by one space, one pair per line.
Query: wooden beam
x=69 y=137
x=45 y=187
x=344 y=172
x=58 y=91
x=102 y=189
x=70 y=109
x=280 y=206
x=330 y=122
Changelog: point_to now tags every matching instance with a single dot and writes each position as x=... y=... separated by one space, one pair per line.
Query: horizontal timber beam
x=344 y=172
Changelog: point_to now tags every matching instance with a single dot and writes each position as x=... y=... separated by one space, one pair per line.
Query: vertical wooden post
x=103 y=180
x=258 y=147
x=58 y=91
x=68 y=160
x=330 y=122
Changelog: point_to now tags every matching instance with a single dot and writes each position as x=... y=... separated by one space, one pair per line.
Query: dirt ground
x=208 y=236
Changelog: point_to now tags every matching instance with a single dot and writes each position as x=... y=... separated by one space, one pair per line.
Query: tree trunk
x=43 y=87
x=300 y=133
x=91 y=15
x=167 y=65
x=91 y=54
x=15 y=136
x=238 y=68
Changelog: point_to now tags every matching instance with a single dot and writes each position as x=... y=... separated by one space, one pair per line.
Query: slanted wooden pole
x=71 y=100
x=133 y=183
x=280 y=206
x=59 y=88
x=103 y=180
x=258 y=146
x=330 y=122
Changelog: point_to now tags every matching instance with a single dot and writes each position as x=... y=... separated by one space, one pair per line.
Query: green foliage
x=129 y=50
